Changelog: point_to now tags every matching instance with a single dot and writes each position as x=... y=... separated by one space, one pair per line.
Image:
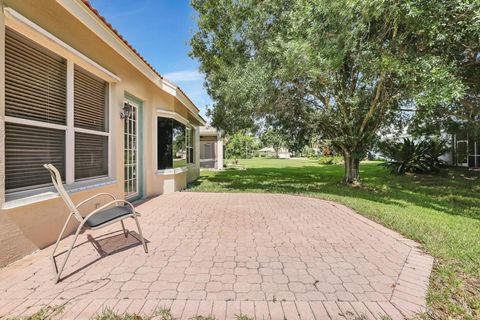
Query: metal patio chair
x=98 y=218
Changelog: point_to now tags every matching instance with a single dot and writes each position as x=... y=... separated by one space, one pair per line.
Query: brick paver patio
x=264 y=255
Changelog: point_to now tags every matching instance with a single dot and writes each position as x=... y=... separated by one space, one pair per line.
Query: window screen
x=27 y=148
x=91 y=155
x=90 y=101
x=35 y=89
x=35 y=81
x=90 y=112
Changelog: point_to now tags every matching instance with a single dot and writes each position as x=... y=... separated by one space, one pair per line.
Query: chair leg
x=125 y=233
x=140 y=233
x=59 y=272
x=52 y=257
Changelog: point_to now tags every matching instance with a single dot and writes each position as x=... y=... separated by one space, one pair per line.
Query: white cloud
x=184 y=76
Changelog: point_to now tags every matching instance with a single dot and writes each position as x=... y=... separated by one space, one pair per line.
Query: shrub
x=411 y=156
x=331 y=160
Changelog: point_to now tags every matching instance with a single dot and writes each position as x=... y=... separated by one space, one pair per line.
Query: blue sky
x=160 y=31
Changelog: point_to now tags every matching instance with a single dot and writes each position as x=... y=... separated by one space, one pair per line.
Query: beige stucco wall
x=27 y=228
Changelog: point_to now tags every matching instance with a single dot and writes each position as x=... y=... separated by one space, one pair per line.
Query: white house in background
x=269 y=152
x=211 y=148
x=464 y=146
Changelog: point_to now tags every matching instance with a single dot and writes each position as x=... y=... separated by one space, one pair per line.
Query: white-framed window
x=55 y=112
x=90 y=125
x=171 y=144
x=190 y=144
x=175 y=141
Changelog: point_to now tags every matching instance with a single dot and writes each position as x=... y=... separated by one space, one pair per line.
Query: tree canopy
x=342 y=69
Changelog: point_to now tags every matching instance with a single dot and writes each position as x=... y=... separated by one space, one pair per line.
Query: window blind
x=35 y=89
x=90 y=100
x=27 y=148
x=91 y=155
x=35 y=81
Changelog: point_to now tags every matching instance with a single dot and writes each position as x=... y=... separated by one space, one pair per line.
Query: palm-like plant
x=411 y=156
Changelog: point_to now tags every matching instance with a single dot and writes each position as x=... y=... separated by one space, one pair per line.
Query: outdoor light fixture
x=126 y=111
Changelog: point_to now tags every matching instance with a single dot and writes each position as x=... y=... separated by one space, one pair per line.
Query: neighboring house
x=283 y=153
x=466 y=149
x=74 y=93
x=211 y=148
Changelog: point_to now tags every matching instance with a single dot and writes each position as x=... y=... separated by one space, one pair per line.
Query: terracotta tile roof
x=102 y=18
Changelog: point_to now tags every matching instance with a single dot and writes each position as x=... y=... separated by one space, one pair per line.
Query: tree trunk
x=352 y=166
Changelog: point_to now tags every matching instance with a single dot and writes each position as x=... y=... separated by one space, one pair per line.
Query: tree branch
x=373 y=104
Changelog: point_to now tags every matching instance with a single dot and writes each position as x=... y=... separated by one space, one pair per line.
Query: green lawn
x=179 y=163
x=442 y=212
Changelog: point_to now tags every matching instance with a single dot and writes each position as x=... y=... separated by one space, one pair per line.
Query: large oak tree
x=348 y=66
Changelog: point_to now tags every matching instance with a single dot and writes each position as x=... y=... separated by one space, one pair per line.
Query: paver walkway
x=264 y=255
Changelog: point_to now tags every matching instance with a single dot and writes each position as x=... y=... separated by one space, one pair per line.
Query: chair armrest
x=93 y=197
x=107 y=205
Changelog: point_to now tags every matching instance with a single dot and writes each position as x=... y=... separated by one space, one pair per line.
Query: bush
x=411 y=156
x=240 y=146
x=331 y=160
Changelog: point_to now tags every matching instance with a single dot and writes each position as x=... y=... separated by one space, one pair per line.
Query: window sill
x=168 y=172
x=22 y=198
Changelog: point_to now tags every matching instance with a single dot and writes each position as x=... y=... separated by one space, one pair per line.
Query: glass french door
x=462 y=153
x=131 y=150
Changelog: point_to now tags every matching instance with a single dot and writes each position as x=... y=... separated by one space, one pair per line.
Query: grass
x=440 y=211
x=164 y=314
x=49 y=312
x=109 y=314
x=203 y=318
x=179 y=163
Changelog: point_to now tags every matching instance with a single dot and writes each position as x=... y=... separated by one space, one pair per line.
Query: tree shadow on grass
x=454 y=191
